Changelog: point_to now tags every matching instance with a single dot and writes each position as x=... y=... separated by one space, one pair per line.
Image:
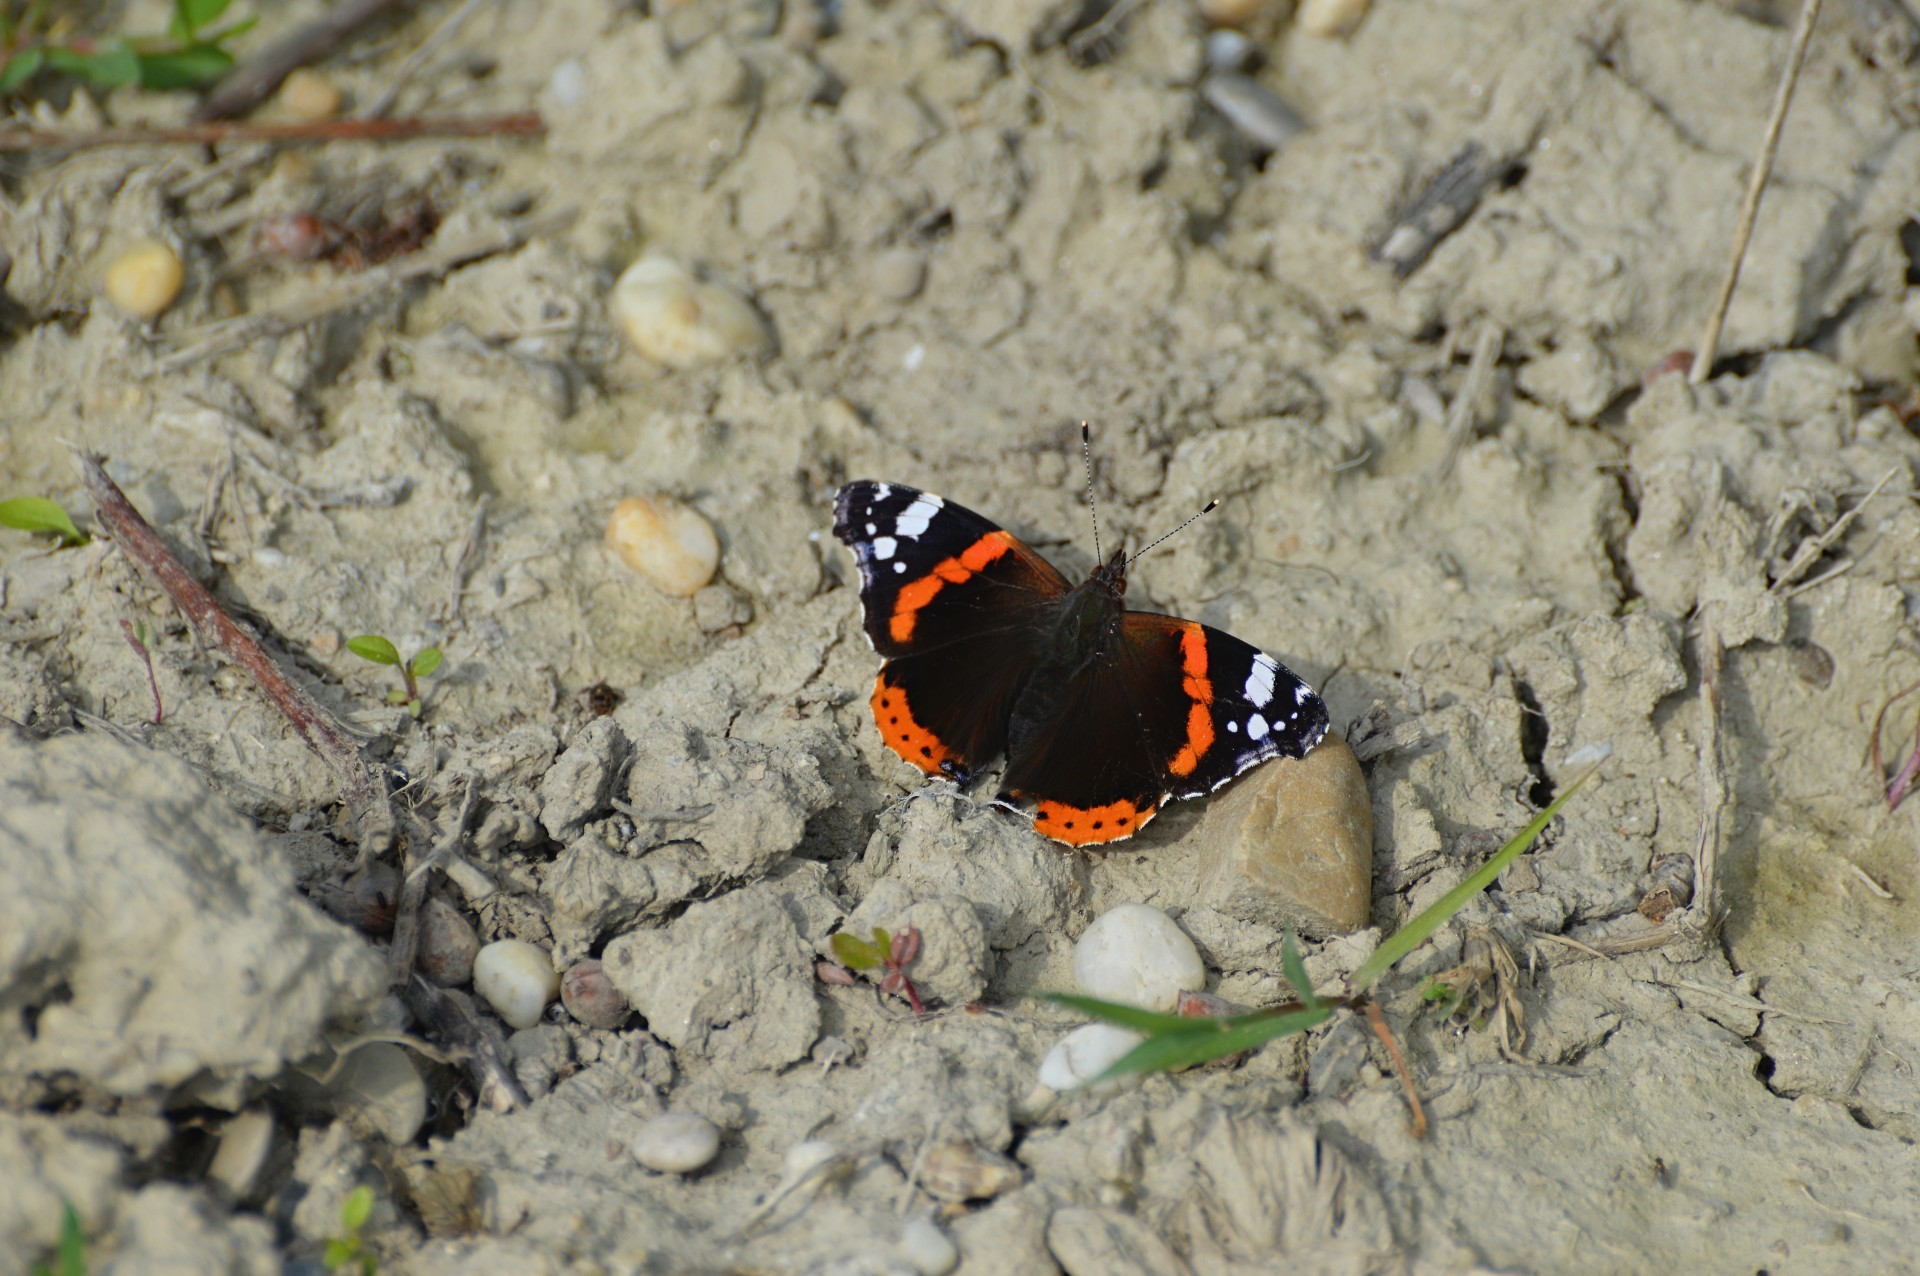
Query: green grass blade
x=1207 y=1039
x=1436 y=915
x=1296 y=970
x=1126 y=1016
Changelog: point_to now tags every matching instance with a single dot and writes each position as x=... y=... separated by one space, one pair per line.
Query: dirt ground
x=1457 y=494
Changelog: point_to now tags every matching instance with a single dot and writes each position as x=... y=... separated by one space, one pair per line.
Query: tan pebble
x=962 y=1171
x=1235 y=13
x=591 y=997
x=1293 y=844
x=308 y=95
x=448 y=944
x=1330 y=17
x=145 y=279
x=669 y=543
x=676 y=319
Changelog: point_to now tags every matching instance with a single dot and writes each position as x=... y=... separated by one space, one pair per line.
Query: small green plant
x=381 y=652
x=38 y=514
x=891 y=953
x=136 y=632
x=38 y=37
x=1175 y=1041
x=70 y=1255
x=349 y=1249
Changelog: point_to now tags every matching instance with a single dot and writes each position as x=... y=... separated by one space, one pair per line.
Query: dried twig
x=1713 y=779
x=1417 y=1127
x=360 y=788
x=1811 y=549
x=1756 y=184
x=248 y=86
x=352 y=290
x=384 y=101
x=1465 y=412
x=498 y=1089
x=518 y=124
x=413 y=892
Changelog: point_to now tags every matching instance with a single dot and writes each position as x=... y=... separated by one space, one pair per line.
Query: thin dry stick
x=517 y=124
x=352 y=290
x=1756 y=183
x=497 y=1088
x=360 y=788
x=383 y=103
x=413 y=892
x=248 y=86
x=1713 y=779
x=1811 y=550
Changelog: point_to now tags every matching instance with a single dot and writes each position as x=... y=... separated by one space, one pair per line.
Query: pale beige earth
x=969 y=227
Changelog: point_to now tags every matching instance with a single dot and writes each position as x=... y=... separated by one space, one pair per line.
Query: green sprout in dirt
x=38 y=36
x=377 y=649
x=348 y=1251
x=70 y=1255
x=891 y=953
x=136 y=632
x=1176 y=1041
x=38 y=514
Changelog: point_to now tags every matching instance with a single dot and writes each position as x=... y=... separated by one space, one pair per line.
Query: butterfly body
x=1102 y=713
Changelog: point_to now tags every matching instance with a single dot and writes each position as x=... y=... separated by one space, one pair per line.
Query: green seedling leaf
x=185 y=69
x=399 y=696
x=375 y=648
x=37 y=514
x=1296 y=970
x=336 y=1255
x=70 y=1256
x=356 y=1209
x=1417 y=931
x=855 y=953
x=190 y=15
x=426 y=662
x=20 y=68
x=110 y=67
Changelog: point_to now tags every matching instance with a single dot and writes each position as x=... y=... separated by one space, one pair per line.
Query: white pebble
x=671 y=544
x=1137 y=955
x=517 y=979
x=1330 y=17
x=567 y=86
x=676 y=319
x=676 y=1143
x=927 y=1248
x=1084 y=1054
x=145 y=279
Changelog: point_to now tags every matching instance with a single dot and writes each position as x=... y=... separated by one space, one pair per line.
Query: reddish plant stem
x=1417 y=1127
x=521 y=124
x=360 y=788
x=146 y=658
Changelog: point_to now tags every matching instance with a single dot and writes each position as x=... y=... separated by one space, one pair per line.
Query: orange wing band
x=903 y=735
x=1088 y=826
x=1193 y=663
x=953 y=571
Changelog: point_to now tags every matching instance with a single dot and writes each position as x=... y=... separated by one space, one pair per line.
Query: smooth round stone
x=145 y=279
x=1137 y=955
x=1330 y=17
x=1084 y=1054
x=670 y=543
x=676 y=1143
x=517 y=979
x=591 y=997
x=930 y=1250
x=897 y=273
x=677 y=319
x=379 y=1088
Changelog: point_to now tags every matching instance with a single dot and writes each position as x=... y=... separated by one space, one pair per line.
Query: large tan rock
x=1292 y=844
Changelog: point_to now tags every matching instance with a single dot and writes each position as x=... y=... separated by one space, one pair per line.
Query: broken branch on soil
x=413 y=892
x=517 y=124
x=1756 y=185
x=353 y=290
x=248 y=86
x=494 y=1083
x=1713 y=779
x=360 y=788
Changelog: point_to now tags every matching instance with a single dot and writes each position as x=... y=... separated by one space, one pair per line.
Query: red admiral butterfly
x=1102 y=713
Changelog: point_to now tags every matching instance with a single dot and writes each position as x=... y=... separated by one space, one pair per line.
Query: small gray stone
x=1294 y=844
x=897 y=274
x=676 y=1143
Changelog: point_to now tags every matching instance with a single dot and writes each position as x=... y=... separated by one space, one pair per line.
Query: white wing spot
x=1256 y=727
x=881 y=491
x=899 y=567
x=1301 y=693
x=914 y=519
x=1233 y=728
x=1259 y=686
x=884 y=547
x=871 y=527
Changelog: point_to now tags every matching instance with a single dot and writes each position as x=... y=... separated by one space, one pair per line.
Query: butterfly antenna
x=1086 y=451
x=1211 y=506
